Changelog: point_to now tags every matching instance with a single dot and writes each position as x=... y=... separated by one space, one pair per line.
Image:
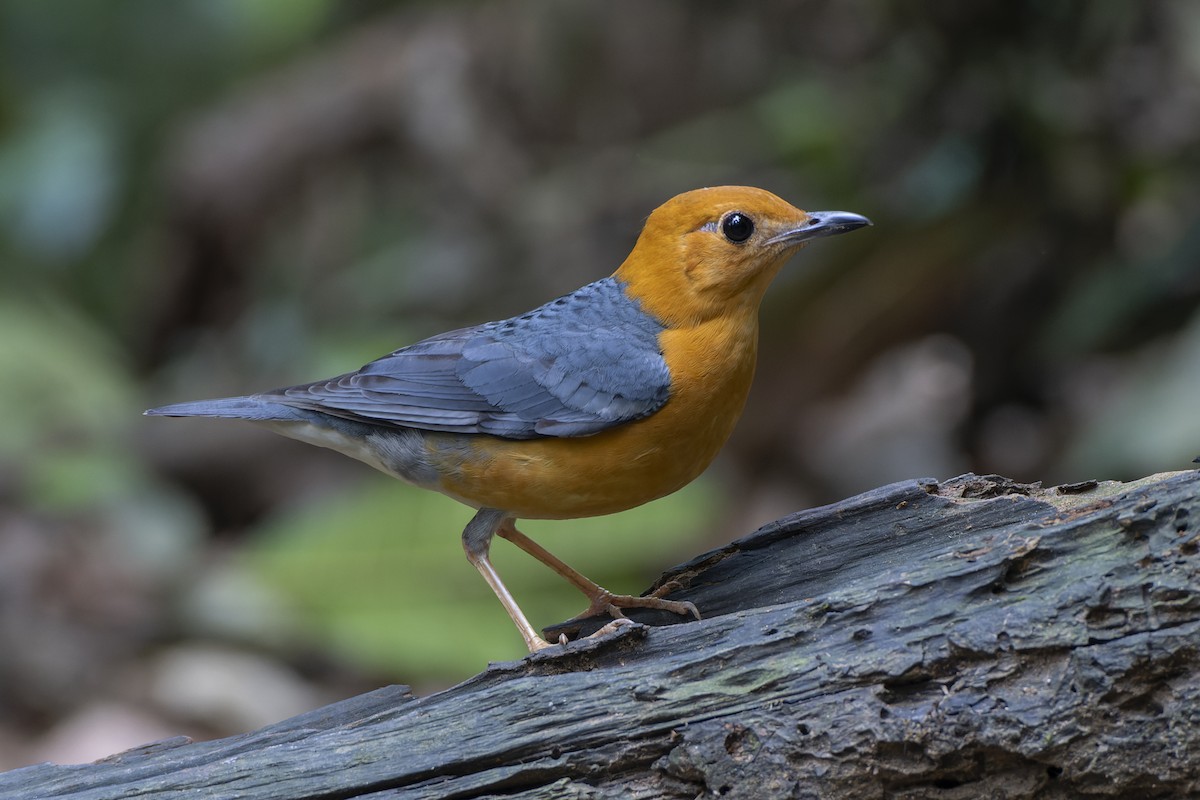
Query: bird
x=616 y=394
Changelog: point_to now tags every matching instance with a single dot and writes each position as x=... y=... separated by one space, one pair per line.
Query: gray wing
x=573 y=367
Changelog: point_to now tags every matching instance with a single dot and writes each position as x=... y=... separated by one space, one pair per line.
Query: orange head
x=713 y=252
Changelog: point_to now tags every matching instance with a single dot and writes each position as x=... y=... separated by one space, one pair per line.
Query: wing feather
x=573 y=367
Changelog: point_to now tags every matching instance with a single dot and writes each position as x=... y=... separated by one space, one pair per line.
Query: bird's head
x=713 y=252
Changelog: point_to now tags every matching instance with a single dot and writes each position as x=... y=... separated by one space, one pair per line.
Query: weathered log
x=973 y=638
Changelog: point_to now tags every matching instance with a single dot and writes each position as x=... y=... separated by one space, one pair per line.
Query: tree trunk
x=973 y=638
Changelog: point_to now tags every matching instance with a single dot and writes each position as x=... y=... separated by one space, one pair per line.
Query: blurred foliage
x=210 y=197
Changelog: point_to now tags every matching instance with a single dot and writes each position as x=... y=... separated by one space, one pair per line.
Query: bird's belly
x=617 y=469
x=569 y=478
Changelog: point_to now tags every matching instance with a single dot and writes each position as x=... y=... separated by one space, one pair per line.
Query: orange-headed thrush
x=616 y=394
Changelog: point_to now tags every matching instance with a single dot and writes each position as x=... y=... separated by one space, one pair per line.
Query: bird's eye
x=737 y=227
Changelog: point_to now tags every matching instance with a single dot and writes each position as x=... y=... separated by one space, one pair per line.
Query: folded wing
x=573 y=367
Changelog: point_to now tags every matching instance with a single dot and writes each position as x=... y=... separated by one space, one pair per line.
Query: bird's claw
x=612 y=627
x=616 y=625
x=605 y=602
x=537 y=644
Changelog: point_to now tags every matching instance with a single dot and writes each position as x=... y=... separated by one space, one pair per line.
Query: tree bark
x=972 y=638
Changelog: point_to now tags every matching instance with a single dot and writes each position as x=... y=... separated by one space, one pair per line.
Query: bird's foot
x=605 y=602
x=612 y=627
x=537 y=643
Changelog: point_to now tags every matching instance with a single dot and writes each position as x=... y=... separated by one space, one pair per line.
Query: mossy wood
x=973 y=638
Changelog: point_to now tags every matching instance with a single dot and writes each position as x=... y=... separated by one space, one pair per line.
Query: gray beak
x=822 y=223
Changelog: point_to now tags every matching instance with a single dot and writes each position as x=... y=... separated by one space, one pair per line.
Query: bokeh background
x=208 y=197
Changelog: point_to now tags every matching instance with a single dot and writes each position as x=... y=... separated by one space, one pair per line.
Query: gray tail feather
x=253 y=407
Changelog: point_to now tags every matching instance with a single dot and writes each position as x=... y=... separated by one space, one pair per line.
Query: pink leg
x=601 y=600
x=477 y=539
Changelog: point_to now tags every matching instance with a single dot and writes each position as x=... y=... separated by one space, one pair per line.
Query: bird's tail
x=253 y=407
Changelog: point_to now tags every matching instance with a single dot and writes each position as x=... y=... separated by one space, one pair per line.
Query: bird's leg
x=477 y=541
x=600 y=600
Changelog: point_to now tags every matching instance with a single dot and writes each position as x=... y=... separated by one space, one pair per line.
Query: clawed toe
x=612 y=627
x=681 y=607
x=605 y=602
x=537 y=644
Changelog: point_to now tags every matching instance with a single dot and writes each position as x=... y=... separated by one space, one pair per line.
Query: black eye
x=737 y=227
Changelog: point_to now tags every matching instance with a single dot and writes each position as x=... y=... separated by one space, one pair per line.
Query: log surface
x=972 y=638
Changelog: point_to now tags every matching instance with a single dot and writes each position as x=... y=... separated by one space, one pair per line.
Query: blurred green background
x=209 y=197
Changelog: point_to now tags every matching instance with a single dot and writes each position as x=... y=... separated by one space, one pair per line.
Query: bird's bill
x=821 y=223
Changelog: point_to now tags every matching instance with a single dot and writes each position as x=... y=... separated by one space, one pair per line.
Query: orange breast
x=712 y=366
